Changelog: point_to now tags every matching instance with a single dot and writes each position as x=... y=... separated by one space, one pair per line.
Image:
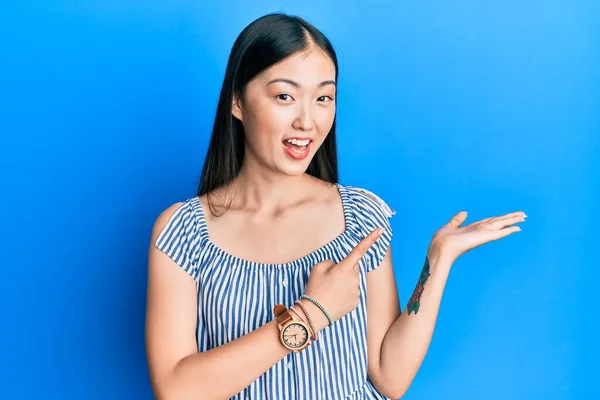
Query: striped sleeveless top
x=236 y=296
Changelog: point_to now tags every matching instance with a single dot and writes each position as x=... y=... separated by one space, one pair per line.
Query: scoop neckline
x=314 y=256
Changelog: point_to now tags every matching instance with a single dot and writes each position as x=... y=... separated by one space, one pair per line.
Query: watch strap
x=281 y=314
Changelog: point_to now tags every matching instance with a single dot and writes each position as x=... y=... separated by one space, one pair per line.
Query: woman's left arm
x=395 y=359
x=398 y=342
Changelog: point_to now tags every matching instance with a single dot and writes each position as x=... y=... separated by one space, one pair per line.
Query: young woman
x=276 y=281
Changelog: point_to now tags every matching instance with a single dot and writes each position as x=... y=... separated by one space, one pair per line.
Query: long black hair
x=265 y=42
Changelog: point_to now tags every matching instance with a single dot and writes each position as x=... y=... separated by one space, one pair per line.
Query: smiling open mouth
x=298 y=149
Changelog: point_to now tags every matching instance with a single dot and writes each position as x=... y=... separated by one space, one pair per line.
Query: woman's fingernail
x=380 y=231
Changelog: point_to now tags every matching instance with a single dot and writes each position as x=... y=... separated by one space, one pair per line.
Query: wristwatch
x=294 y=334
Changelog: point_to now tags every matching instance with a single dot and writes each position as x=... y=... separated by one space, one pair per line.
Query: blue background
x=491 y=107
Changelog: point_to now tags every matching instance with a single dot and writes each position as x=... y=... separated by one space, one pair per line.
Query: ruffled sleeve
x=372 y=212
x=179 y=239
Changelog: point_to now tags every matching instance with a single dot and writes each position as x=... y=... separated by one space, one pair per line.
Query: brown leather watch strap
x=281 y=313
x=278 y=309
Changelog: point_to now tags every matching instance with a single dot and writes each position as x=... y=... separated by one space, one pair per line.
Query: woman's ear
x=236 y=107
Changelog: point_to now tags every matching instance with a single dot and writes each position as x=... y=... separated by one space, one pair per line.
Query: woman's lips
x=296 y=152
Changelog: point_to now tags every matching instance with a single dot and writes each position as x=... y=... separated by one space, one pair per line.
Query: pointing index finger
x=362 y=247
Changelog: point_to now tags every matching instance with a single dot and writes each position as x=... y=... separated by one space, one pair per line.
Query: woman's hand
x=452 y=240
x=337 y=286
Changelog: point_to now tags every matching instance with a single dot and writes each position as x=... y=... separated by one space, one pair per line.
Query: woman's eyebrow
x=291 y=82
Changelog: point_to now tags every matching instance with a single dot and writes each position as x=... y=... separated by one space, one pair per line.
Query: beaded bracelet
x=310 y=321
x=316 y=303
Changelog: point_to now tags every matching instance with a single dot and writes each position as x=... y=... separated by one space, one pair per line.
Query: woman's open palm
x=453 y=240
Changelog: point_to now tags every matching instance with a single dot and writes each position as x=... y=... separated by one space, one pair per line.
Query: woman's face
x=294 y=99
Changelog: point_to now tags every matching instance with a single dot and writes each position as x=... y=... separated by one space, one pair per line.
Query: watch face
x=295 y=335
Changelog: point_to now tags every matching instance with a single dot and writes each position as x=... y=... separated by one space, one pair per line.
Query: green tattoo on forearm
x=415 y=300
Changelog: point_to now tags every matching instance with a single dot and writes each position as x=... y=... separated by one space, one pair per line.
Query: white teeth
x=298 y=142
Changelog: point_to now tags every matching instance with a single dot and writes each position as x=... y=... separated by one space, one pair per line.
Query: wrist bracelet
x=310 y=322
x=316 y=303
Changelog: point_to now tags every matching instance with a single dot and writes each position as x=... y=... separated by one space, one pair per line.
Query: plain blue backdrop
x=105 y=115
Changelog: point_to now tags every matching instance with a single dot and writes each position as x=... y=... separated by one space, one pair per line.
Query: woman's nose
x=304 y=120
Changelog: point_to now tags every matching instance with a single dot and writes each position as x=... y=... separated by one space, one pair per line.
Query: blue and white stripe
x=236 y=296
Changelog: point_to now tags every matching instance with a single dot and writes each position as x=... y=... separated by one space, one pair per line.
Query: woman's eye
x=279 y=96
x=329 y=97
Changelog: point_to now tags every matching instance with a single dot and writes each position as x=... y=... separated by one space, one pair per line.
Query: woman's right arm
x=177 y=370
